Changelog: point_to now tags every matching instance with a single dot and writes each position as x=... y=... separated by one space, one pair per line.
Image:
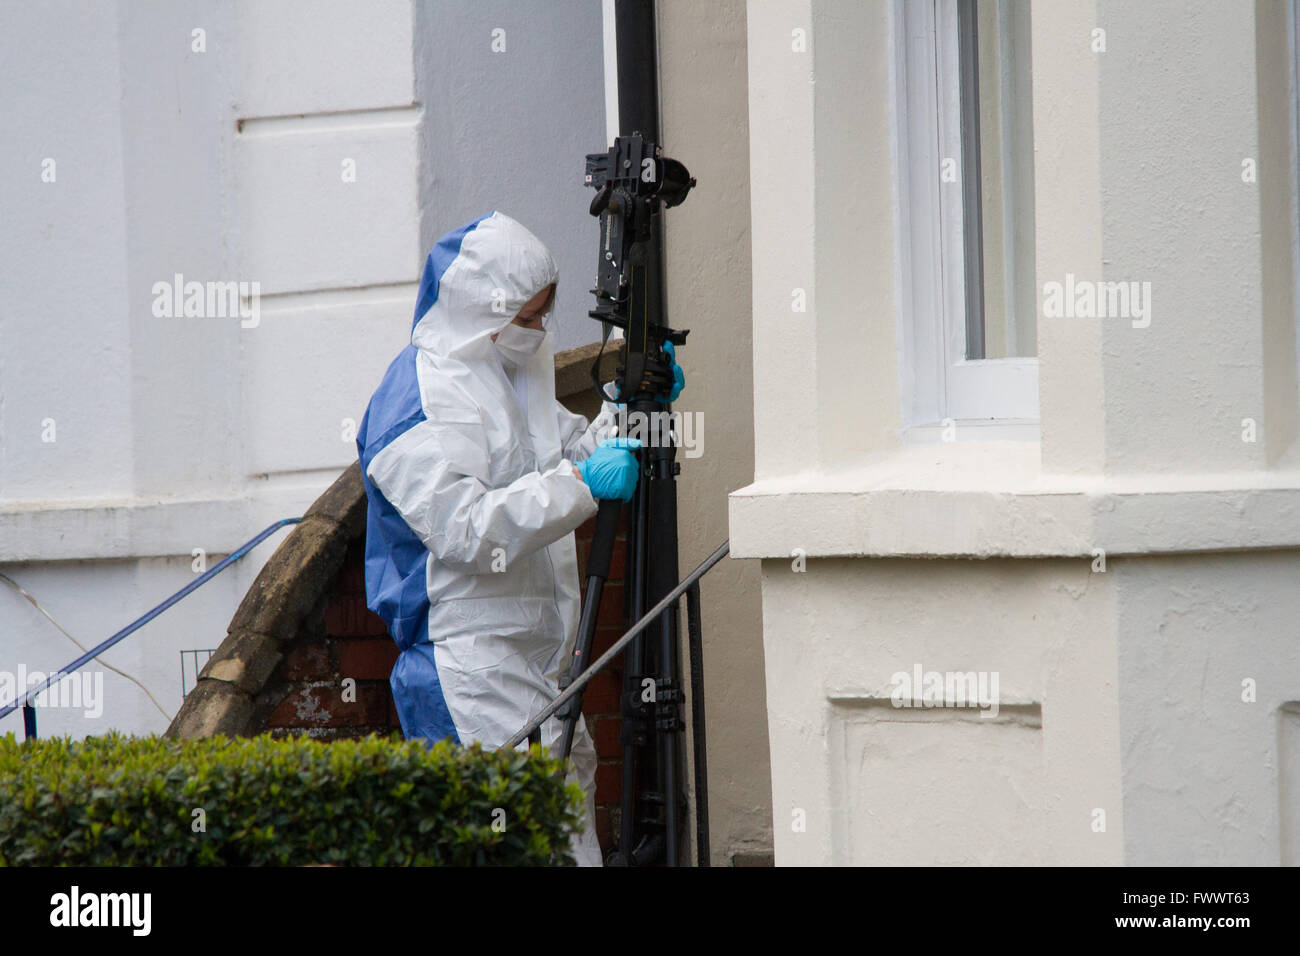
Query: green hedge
x=118 y=800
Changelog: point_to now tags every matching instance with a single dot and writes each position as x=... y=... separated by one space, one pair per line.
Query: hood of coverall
x=476 y=279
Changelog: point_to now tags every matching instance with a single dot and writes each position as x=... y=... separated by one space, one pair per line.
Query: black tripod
x=653 y=759
x=634 y=182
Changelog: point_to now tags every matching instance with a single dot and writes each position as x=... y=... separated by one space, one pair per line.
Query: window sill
x=983 y=500
x=972 y=430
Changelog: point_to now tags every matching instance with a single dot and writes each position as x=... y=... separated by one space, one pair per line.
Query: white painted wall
x=173 y=434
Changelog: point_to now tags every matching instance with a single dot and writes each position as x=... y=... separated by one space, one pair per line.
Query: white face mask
x=517 y=344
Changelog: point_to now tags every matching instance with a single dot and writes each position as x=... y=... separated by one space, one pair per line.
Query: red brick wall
x=349 y=641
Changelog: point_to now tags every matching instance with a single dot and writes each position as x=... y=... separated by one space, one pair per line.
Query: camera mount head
x=634 y=182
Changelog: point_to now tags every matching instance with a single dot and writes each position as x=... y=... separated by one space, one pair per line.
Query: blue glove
x=611 y=470
x=679 y=377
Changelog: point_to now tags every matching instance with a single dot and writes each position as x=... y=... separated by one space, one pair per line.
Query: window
x=964 y=144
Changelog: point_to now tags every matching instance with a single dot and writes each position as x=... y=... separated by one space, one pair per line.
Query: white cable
x=36 y=604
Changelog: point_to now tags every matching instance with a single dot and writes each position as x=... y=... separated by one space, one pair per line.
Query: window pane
x=997 y=179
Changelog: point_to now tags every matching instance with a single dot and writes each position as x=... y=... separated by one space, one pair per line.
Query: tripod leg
x=695 y=638
x=602 y=549
x=633 y=733
x=662 y=533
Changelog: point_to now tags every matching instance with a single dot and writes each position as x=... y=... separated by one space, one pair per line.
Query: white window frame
x=938 y=382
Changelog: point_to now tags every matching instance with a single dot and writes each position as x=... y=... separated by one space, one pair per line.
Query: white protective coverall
x=470 y=556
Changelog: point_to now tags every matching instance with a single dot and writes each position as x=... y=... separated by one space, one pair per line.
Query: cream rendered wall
x=1204 y=780
x=1148 y=709
x=703 y=102
x=856 y=780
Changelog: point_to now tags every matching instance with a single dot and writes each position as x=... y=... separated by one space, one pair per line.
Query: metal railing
x=531 y=732
x=26 y=701
x=196 y=667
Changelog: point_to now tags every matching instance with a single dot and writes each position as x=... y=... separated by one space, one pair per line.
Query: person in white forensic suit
x=476 y=478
